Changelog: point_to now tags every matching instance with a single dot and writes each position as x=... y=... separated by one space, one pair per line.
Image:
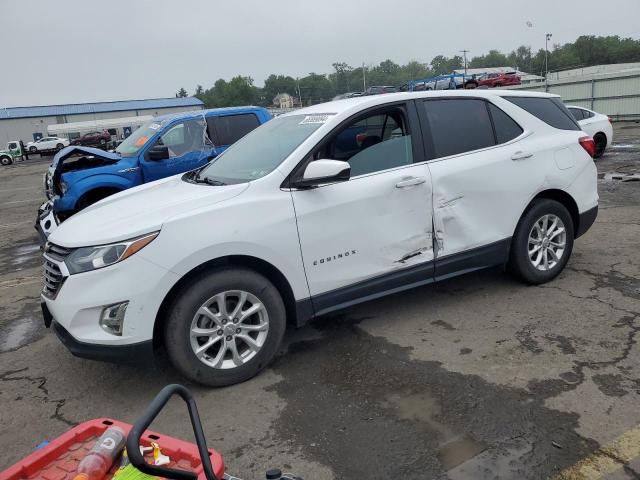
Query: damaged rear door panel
x=484 y=174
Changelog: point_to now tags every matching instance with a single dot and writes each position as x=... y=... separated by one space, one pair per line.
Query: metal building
x=610 y=89
x=30 y=123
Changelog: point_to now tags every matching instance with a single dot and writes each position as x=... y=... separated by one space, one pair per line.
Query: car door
x=588 y=123
x=44 y=143
x=187 y=145
x=371 y=234
x=481 y=179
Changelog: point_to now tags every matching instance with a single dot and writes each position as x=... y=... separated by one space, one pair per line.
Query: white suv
x=314 y=211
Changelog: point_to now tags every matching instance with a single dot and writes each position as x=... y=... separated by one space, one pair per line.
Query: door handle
x=520 y=155
x=410 y=182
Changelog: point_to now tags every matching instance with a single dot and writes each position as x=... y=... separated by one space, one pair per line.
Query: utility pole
x=546 y=60
x=298 y=87
x=464 y=52
x=364 y=78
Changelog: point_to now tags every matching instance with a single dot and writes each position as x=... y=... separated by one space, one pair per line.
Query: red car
x=492 y=80
x=93 y=139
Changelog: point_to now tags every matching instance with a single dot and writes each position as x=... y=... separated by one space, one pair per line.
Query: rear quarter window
x=505 y=127
x=550 y=110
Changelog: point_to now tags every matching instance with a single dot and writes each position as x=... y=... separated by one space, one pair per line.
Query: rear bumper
x=586 y=220
x=138 y=354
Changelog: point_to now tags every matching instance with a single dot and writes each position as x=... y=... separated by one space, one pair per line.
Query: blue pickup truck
x=167 y=145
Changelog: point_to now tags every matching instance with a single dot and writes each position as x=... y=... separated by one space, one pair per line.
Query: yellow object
x=158 y=457
x=131 y=473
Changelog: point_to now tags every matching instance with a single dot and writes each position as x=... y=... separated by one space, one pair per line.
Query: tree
x=275 y=84
x=341 y=77
x=587 y=50
x=316 y=88
x=442 y=65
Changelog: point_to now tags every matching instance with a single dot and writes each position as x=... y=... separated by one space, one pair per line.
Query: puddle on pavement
x=18 y=334
x=25 y=253
x=454 y=449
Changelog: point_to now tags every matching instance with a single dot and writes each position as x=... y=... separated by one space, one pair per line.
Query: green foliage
x=276 y=84
x=315 y=88
x=237 y=91
x=586 y=51
x=182 y=93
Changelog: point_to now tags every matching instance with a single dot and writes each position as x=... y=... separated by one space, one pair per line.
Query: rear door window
x=228 y=129
x=458 y=125
x=550 y=110
x=505 y=127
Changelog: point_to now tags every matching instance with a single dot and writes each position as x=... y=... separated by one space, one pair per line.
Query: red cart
x=59 y=459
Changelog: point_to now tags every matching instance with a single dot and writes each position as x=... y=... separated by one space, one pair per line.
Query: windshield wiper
x=208 y=181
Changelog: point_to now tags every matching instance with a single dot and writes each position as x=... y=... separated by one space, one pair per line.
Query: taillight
x=589 y=145
x=610 y=120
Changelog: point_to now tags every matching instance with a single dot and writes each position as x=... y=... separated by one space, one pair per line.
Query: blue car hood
x=80 y=150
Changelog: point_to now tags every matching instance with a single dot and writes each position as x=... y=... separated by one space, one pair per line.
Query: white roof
x=340 y=106
x=102 y=124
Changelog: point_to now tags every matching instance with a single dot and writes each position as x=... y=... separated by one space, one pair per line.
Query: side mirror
x=158 y=152
x=321 y=172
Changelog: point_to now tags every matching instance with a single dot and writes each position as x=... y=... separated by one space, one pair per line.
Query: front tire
x=59 y=146
x=33 y=149
x=225 y=326
x=543 y=242
x=6 y=161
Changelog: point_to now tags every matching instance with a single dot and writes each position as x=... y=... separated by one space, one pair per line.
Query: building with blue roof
x=31 y=123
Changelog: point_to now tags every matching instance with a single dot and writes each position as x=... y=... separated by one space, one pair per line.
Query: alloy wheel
x=229 y=329
x=547 y=242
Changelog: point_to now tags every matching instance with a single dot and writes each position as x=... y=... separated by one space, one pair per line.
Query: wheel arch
x=565 y=199
x=272 y=273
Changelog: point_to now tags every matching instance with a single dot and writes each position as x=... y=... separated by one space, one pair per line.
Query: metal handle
x=158 y=403
x=410 y=182
x=520 y=155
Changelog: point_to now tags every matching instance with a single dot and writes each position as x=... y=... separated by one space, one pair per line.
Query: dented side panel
x=366 y=227
x=479 y=197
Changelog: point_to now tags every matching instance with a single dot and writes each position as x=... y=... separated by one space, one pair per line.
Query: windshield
x=134 y=142
x=262 y=150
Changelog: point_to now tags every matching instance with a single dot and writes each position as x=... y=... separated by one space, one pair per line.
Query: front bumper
x=78 y=302
x=46 y=221
x=138 y=354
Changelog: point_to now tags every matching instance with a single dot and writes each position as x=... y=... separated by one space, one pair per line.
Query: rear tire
x=59 y=146
x=600 y=140
x=543 y=242
x=229 y=359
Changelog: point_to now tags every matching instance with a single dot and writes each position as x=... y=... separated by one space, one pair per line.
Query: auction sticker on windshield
x=317 y=118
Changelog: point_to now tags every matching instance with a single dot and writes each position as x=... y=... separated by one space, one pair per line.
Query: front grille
x=52 y=279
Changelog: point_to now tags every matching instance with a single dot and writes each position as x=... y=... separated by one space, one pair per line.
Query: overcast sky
x=72 y=51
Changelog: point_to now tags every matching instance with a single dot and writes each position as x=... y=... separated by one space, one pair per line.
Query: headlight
x=86 y=259
x=64 y=187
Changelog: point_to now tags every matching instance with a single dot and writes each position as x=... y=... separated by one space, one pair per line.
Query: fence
x=614 y=94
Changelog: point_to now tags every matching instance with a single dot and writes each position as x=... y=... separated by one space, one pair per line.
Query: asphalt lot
x=477 y=377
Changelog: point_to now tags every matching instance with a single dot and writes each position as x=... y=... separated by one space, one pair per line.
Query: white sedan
x=597 y=125
x=47 y=144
